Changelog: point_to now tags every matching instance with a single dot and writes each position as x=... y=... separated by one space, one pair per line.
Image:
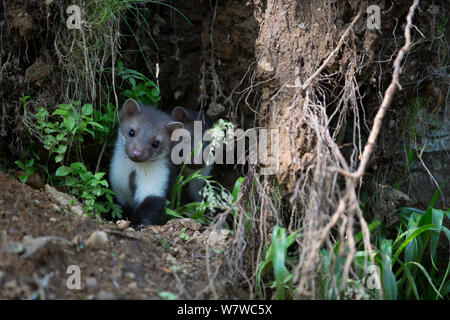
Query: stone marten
x=141 y=172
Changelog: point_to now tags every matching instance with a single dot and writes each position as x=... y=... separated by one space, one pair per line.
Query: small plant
x=65 y=129
x=140 y=88
x=215 y=196
x=88 y=187
x=68 y=127
x=167 y=295
x=405 y=270
x=333 y=261
x=27 y=169
x=107 y=118
x=276 y=259
x=183 y=235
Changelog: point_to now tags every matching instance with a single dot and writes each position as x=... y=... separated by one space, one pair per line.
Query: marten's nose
x=136 y=153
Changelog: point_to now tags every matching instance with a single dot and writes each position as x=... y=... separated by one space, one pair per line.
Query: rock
x=130 y=275
x=55 y=207
x=132 y=285
x=217 y=240
x=265 y=65
x=64 y=200
x=98 y=239
x=123 y=224
x=77 y=209
x=14 y=247
x=31 y=245
x=105 y=295
x=91 y=282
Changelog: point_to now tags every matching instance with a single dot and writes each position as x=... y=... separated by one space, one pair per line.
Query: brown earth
x=129 y=265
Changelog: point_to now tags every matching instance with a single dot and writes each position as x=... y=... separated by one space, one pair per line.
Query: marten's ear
x=180 y=114
x=130 y=107
x=172 y=126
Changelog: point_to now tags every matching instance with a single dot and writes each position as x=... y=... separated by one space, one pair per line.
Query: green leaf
x=87 y=109
x=436 y=193
x=444 y=288
x=50 y=130
x=86 y=176
x=99 y=175
x=279 y=258
x=61 y=136
x=173 y=213
x=128 y=94
x=30 y=163
x=167 y=295
x=78 y=166
x=411 y=236
x=59 y=112
x=20 y=165
x=438 y=217
x=388 y=278
x=59 y=158
x=23 y=178
x=62 y=171
x=372 y=226
x=150 y=84
x=96 y=125
x=236 y=188
x=430 y=281
x=155 y=92
x=409 y=276
x=414 y=250
x=61 y=149
x=69 y=123
x=70 y=181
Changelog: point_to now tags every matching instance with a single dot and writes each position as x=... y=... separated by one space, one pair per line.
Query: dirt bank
x=39 y=240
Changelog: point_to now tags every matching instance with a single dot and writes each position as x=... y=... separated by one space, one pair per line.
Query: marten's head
x=145 y=131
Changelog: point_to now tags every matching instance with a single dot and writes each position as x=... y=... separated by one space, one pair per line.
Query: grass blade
x=388 y=278
x=437 y=218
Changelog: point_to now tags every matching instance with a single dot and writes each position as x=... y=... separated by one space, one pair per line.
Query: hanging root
x=310 y=115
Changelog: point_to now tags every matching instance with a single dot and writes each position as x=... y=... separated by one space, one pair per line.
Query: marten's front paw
x=139 y=227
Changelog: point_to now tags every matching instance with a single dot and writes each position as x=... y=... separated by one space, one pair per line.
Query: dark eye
x=155 y=144
x=131 y=133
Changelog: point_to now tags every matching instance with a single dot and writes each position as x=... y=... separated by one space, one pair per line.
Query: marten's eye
x=131 y=133
x=155 y=144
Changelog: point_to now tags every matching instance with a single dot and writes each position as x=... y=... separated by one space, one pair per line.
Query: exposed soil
x=128 y=265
